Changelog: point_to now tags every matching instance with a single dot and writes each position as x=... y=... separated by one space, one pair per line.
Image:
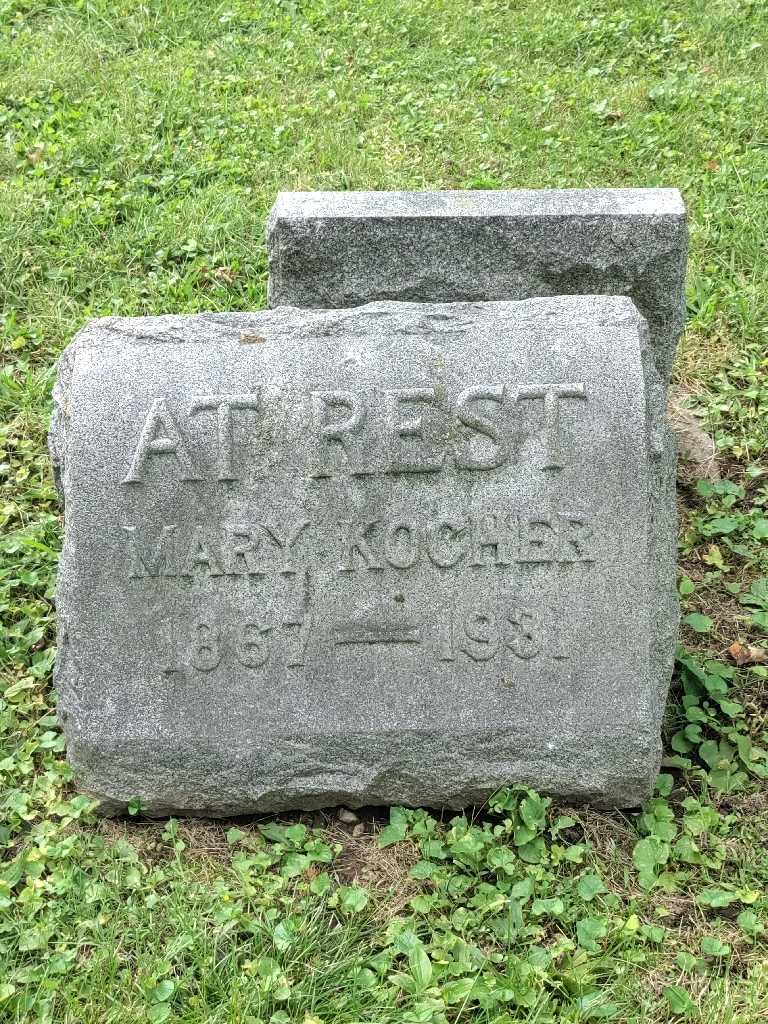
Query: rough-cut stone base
x=406 y=768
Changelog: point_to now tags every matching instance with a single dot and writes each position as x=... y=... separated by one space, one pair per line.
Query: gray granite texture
x=396 y=554
x=336 y=249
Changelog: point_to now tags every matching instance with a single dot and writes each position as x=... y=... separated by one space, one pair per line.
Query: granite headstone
x=402 y=553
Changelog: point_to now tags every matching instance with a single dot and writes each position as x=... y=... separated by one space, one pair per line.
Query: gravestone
x=402 y=553
x=334 y=249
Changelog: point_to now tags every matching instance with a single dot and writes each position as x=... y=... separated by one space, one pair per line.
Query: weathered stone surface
x=333 y=249
x=316 y=557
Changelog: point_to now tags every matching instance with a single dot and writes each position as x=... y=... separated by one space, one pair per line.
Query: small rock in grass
x=695 y=446
x=347 y=816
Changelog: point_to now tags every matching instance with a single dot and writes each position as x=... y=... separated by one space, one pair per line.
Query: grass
x=142 y=146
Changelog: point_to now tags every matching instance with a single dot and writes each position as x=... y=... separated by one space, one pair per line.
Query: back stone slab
x=335 y=249
x=396 y=554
